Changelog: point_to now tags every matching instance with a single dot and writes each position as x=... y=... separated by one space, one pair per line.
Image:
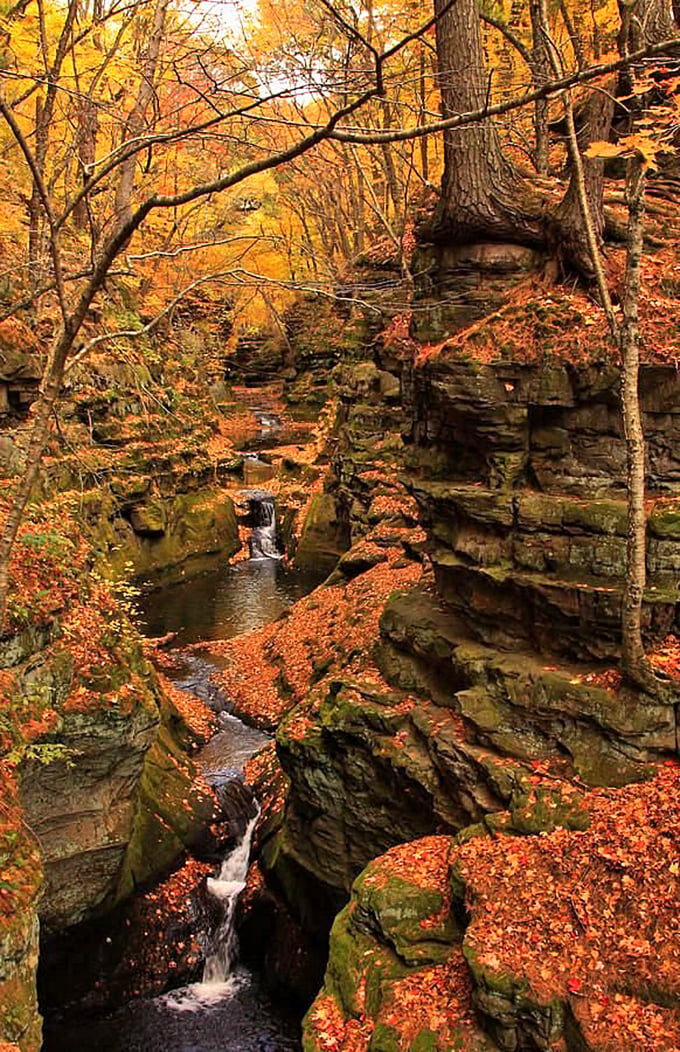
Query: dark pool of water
x=235 y=1016
x=223 y=603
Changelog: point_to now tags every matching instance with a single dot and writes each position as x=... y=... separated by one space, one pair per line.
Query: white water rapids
x=263 y=539
x=227 y=887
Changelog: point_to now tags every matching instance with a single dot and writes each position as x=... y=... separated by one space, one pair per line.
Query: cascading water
x=227 y=887
x=263 y=539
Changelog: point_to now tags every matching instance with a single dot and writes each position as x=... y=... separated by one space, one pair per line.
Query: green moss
x=357 y=962
x=165 y=537
x=385 y=1039
x=171 y=813
x=508 y=985
x=550 y=511
x=149 y=519
x=324 y=537
x=425 y=1041
x=664 y=521
x=398 y=907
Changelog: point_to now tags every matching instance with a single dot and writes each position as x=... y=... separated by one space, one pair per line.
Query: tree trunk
x=86 y=149
x=540 y=67
x=136 y=122
x=633 y=653
x=572 y=246
x=483 y=197
x=35 y=214
x=44 y=112
x=391 y=178
x=422 y=109
x=88 y=126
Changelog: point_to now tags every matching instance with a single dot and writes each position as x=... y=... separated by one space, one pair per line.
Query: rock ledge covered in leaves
x=565 y=940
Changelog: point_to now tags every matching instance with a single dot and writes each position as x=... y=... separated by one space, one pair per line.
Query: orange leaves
x=436 y=999
x=566 y=325
x=666 y=657
x=155 y=947
x=201 y=721
x=584 y=915
x=271 y=670
x=45 y=572
x=332 y=1032
x=423 y=862
x=646 y=147
x=20 y=865
x=397 y=336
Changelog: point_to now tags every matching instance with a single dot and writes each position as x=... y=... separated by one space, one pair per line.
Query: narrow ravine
x=227 y=1010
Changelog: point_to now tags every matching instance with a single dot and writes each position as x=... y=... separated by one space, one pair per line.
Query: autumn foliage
x=271 y=670
x=585 y=920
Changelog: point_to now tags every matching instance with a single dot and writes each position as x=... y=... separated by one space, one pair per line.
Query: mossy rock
x=195 y=528
x=385 y=1039
x=20 y=1022
x=398 y=908
x=513 y=1012
x=664 y=521
x=324 y=537
x=131 y=488
x=541 y=812
x=171 y=815
x=538 y=511
x=359 y=965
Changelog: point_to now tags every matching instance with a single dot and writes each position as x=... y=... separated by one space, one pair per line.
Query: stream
x=228 y=1011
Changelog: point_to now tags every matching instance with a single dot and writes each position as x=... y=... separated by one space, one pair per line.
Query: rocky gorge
x=457 y=676
x=452 y=686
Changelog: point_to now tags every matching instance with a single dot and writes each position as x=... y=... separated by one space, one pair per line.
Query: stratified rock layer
x=503 y=658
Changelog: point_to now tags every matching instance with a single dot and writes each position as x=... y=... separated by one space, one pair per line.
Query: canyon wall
x=498 y=660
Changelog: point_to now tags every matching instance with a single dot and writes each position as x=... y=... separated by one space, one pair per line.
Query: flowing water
x=264 y=542
x=227 y=887
x=224 y=602
x=228 y=1011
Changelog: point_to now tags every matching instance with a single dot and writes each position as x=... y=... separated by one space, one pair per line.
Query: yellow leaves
x=603 y=150
x=640 y=144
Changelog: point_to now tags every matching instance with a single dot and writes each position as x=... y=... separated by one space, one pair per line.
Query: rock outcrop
x=20 y=888
x=99 y=752
x=516 y=940
x=500 y=657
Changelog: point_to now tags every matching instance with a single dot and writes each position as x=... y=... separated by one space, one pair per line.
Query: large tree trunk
x=483 y=197
x=541 y=72
x=572 y=245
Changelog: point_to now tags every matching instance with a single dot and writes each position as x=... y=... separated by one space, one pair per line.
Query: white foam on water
x=227 y=887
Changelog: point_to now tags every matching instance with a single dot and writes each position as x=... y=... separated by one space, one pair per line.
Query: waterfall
x=263 y=540
x=227 y=887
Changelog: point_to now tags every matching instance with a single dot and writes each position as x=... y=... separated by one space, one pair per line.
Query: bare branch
x=550 y=88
